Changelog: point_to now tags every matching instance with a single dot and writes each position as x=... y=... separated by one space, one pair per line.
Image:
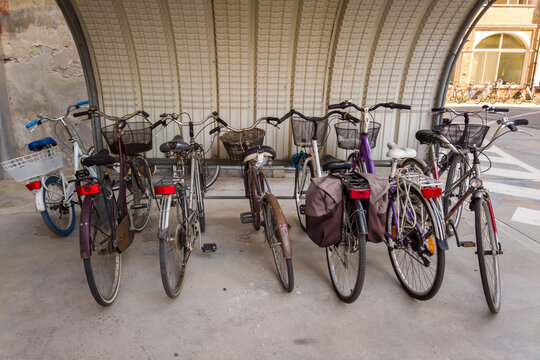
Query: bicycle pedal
x=246 y=217
x=303 y=209
x=289 y=227
x=467 y=243
x=209 y=248
x=138 y=206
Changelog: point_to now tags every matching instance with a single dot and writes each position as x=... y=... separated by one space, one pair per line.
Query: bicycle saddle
x=177 y=144
x=252 y=153
x=426 y=136
x=332 y=164
x=395 y=152
x=41 y=144
x=101 y=158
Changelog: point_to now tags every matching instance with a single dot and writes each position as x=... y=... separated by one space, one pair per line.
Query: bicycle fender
x=361 y=216
x=164 y=211
x=84 y=227
x=281 y=223
x=40 y=205
x=440 y=235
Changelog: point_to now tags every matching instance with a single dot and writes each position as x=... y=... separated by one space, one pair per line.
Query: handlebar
x=33 y=124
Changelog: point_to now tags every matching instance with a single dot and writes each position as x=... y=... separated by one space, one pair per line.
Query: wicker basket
x=136 y=137
x=349 y=137
x=463 y=135
x=303 y=131
x=236 y=143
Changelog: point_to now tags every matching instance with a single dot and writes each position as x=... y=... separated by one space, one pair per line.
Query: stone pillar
x=7 y=145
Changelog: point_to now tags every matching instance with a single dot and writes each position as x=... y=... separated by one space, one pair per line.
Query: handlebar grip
x=400 y=106
x=145 y=114
x=163 y=115
x=221 y=121
x=520 y=122
x=446 y=121
x=437 y=109
x=84 y=102
x=512 y=127
x=272 y=118
x=217 y=128
x=28 y=126
x=82 y=113
x=157 y=123
x=336 y=106
x=285 y=117
x=499 y=109
x=350 y=118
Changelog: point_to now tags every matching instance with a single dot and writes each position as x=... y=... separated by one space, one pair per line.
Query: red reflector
x=431 y=192
x=34 y=185
x=165 y=190
x=88 y=189
x=359 y=193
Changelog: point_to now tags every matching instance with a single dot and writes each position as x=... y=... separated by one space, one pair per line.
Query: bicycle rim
x=274 y=240
x=59 y=218
x=139 y=199
x=347 y=260
x=300 y=188
x=487 y=247
x=103 y=267
x=416 y=257
x=172 y=249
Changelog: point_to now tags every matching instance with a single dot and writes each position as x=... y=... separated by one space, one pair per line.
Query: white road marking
x=512 y=190
x=526 y=216
x=521 y=115
x=529 y=173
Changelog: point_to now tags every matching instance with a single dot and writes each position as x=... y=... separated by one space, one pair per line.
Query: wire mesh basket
x=237 y=142
x=349 y=137
x=34 y=165
x=303 y=131
x=136 y=137
x=463 y=135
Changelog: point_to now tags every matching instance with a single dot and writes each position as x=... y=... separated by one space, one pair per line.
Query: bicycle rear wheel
x=59 y=219
x=347 y=260
x=103 y=266
x=302 y=180
x=275 y=239
x=172 y=245
x=209 y=174
x=416 y=257
x=139 y=196
x=458 y=167
x=487 y=249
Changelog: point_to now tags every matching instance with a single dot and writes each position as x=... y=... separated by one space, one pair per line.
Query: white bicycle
x=55 y=195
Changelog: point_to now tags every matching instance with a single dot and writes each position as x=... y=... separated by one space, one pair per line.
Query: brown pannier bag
x=324 y=207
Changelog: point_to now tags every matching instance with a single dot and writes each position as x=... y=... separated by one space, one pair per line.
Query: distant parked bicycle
x=54 y=193
x=527 y=94
x=108 y=220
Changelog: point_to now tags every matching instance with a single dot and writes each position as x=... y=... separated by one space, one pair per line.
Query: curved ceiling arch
x=248 y=59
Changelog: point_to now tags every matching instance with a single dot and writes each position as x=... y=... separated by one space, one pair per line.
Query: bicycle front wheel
x=172 y=245
x=347 y=260
x=302 y=179
x=458 y=167
x=274 y=225
x=103 y=266
x=415 y=255
x=209 y=174
x=139 y=197
x=59 y=218
x=487 y=249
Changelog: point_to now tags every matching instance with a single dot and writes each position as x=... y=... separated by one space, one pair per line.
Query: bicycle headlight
x=476 y=183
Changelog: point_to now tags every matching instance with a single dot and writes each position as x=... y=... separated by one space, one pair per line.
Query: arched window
x=499 y=56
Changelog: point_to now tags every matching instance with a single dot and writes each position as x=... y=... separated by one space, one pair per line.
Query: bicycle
x=108 y=223
x=55 y=195
x=181 y=210
x=246 y=146
x=473 y=92
x=527 y=94
x=468 y=138
x=346 y=260
x=413 y=233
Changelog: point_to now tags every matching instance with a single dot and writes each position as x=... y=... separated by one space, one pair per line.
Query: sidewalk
x=232 y=305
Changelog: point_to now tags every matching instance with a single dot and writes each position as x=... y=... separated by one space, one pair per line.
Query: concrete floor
x=233 y=307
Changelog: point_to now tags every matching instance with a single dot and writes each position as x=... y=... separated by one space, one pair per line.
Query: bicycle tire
x=519 y=97
x=274 y=239
x=347 y=280
x=458 y=167
x=103 y=267
x=479 y=97
x=58 y=218
x=301 y=186
x=172 y=245
x=417 y=165
x=421 y=282
x=536 y=99
x=487 y=251
x=199 y=195
x=208 y=175
x=139 y=198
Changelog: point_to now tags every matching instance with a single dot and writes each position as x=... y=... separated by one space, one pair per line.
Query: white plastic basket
x=35 y=164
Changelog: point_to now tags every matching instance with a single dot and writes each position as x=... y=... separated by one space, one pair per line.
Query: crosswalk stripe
x=512 y=190
x=526 y=216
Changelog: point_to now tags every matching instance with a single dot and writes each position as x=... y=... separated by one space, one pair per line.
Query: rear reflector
x=34 y=185
x=164 y=190
x=88 y=189
x=431 y=192
x=359 y=193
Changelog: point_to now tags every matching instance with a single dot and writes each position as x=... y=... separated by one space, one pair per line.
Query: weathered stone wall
x=43 y=68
